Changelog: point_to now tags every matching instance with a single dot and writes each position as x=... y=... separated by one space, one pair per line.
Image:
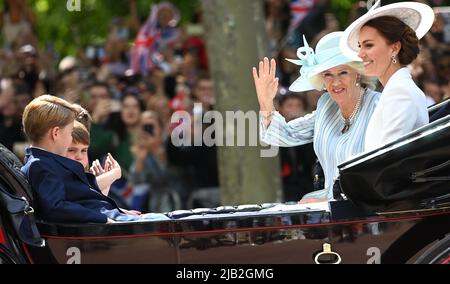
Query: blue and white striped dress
x=323 y=127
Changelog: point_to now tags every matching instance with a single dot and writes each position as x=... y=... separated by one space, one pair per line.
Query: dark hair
x=204 y=76
x=99 y=84
x=282 y=99
x=116 y=123
x=22 y=88
x=131 y=93
x=394 y=30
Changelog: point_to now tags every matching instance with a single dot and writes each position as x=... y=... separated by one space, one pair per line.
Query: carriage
x=392 y=205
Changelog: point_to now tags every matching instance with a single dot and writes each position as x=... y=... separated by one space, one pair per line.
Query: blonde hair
x=149 y=114
x=80 y=134
x=44 y=113
x=154 y=115
x=365 y=81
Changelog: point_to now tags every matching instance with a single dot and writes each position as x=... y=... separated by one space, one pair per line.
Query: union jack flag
x=299 y=10
x=144 y=51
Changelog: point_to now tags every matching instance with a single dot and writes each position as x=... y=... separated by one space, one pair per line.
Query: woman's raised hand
x=266 y=84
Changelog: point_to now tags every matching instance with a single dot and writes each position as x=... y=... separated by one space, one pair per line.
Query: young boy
x=78 y=151
x=62 y=190
x=102 y=176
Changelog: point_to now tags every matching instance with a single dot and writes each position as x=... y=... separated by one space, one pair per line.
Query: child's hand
x=131 y=212
x=106 y=175
x=113 y=167
x=97 y=168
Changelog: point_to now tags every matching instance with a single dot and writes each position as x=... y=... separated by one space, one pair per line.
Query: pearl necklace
x=349 y=121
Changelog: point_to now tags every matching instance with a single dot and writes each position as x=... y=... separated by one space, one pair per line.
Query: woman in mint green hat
x=337 y=128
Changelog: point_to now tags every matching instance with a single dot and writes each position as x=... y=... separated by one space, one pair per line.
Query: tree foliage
x=68 y=31
x=341 y=9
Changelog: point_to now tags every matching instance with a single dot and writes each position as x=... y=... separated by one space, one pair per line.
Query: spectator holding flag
x=307 y=18
x=299 y=11
x=158 y=35
x=144 y=45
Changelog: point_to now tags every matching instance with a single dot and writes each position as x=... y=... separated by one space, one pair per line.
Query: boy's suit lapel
x=74 y=167
x=71 y=165
x=77 y=169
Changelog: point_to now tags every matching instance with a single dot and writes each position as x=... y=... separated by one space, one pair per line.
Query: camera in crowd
x=149 y=128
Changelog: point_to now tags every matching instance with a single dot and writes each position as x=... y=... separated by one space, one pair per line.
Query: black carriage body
x=249 y=238
x=258 y=238
x=244 y=234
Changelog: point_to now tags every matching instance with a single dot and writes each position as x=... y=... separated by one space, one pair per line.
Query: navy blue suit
x=62 y=190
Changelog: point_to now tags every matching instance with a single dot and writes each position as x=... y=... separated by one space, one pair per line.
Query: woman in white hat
x=387 y=40
x=338 y=125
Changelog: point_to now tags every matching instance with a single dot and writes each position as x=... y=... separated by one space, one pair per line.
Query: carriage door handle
x=327 y=256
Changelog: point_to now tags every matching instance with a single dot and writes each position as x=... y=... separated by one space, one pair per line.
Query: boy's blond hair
x=44 y=113
x=80 y=135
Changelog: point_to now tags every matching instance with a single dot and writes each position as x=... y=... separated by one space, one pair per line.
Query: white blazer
x=401 y=109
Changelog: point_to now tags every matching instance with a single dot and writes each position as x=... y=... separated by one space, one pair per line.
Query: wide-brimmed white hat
x=327 y=55
x=418 y=16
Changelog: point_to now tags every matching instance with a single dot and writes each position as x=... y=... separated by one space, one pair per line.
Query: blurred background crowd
x=145 y=68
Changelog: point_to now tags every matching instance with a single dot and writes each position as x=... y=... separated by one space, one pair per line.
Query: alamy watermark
x=374 y=254
x=73 y=5
x=74 y=255
x=235 y=129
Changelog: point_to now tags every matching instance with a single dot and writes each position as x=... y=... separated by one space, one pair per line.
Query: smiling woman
x=387 y=40
x=338 y=125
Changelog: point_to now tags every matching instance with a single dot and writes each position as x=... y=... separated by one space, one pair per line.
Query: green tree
x=341 y=9
x=70 y=31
